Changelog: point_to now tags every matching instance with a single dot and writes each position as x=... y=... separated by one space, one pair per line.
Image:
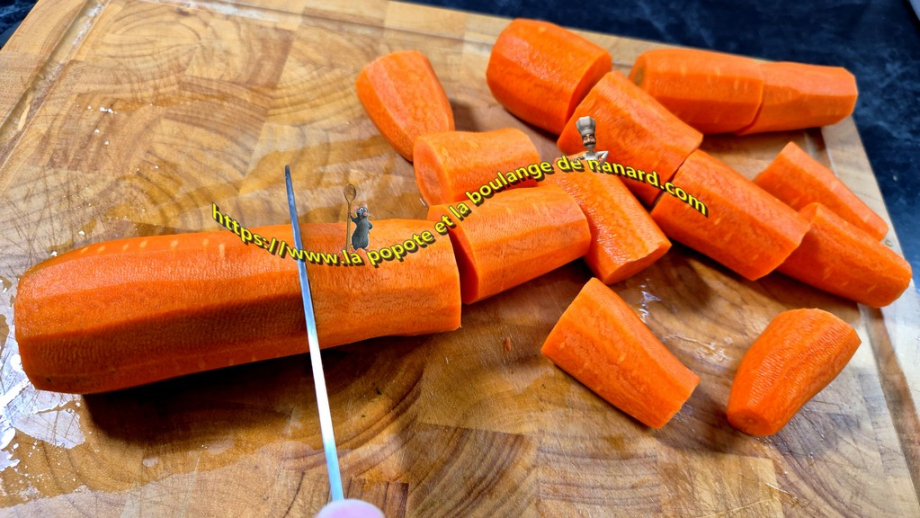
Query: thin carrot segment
x=449 y=164
x=513 y=237
x=796 y=356
x=797 y=96
x=637 y=131
x=842 y=259
x=711 y=91
x=746 y=230
x=403 y=97
x=539 y=71
x=797 y=179
x=132 y=311
x=602 y=343
x=624 y=238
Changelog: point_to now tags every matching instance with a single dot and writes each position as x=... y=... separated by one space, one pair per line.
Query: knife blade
x=319 y=379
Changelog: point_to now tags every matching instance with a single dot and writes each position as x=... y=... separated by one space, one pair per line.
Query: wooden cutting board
x=125 y=118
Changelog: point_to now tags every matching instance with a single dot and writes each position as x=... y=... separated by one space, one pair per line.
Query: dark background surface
x=877 y=40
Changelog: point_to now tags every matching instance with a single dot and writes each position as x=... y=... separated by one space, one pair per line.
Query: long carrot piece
x=133 y=311
x=403 y=97
x=746 y=230
x=602 y=343
x=451 y=163
x=842 y=259
x=513 y=237
x=624 y=238
x=539 y=71
x=636 y=129
x=796 y=356
x=797 y=96
x=797 y=179
x=711 y=91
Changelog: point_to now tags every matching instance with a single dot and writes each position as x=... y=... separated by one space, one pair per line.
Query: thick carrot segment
x=539 y=71
x=513 y=237
x=602 y=343
x=403 y=97
x=842 y=259
x=637 y=131
x=711 y=91
x=796 y=356
x=624 y=238
x=451 y=163
x=797 y=96
x=797 y=179
x=746 y=230
x=133 y=311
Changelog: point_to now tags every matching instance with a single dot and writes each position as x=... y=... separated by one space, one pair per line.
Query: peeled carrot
x=711 y=91
x=602 y=343
x=403 y=97
x=796 y=356
x=133 y=311
x=449 y=164
x=747 y=230
x=513 y=237
x=539 y=71
x=624 y=238
x=637 y=131
x=797 y=179
x=797 y=96
x=842 y=259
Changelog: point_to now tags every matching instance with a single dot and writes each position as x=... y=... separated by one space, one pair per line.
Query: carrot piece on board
x=637 y=131
x=513 y=237
x=797 y=96
x=797 y=179
x=795 y=357
x=746 y=230
x=132 y=311
x=451 y=163
x=403 y=97
x=539 y=71
x=711 y=91
x=624 y=238
x=602 y=343
x=842 y=259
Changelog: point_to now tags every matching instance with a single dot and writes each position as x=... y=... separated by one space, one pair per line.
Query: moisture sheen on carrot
x=711 y=91
x=797 y=179
x=403 y=97
x=747 y=230
x=539 y=71
x=132 y=311
x=602 y=343
x=637 y=131
x=796 y=356
x=513 y=237
x=842 y=259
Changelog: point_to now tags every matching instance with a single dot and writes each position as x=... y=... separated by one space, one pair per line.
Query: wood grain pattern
x=127 y=117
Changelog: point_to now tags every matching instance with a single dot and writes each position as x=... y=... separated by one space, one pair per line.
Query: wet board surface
x=129 y=118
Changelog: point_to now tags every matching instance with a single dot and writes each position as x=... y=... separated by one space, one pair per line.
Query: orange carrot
x=133 y=311
x=539 y=71
x=602 y=343
x=711 y=91
x=449 y=164
x=796 y=356
x=746 y=230
x=403 y=97
x=797 y=179
x=624 y=238
x=842 y=259
x=637 y=131
x=797 y=96
x=513 y=237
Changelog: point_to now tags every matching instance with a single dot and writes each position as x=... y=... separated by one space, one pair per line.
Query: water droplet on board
x=106 y=142
x=81 y=233
x=96 y=131
x=54 y=253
